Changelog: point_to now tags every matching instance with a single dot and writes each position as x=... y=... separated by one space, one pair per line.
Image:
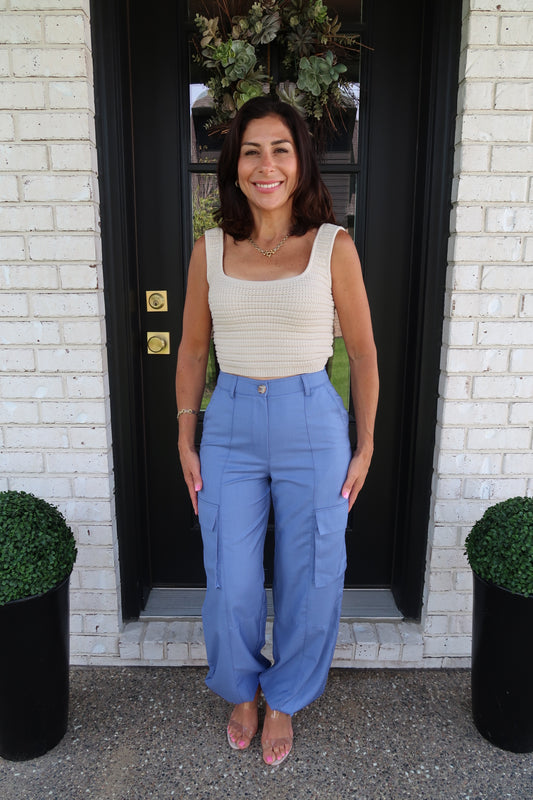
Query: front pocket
x=210 y=406
x=208 y=517
x=330 y=543
x=338 y=402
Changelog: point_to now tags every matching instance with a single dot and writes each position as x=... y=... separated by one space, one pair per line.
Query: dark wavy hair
x=312 y=203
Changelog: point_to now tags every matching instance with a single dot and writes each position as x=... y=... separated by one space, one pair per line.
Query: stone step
x=180 y=642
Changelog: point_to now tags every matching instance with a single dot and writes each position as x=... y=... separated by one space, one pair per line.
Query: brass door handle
x=158 y=343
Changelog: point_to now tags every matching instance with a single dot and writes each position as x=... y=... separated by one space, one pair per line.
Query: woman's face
x=268 y=164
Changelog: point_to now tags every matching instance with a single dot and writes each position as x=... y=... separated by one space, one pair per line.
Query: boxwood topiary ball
x=499 y=547
x=37 y=547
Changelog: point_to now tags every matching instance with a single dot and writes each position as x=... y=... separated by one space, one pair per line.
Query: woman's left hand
x=356 y=476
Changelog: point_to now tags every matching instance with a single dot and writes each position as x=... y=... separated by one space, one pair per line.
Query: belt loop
x=306 y=384
x=233 y=386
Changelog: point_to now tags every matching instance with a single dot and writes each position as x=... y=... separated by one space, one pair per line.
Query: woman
x=266 y=282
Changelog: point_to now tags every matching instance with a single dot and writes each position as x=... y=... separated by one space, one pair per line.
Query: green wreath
x=234 y=50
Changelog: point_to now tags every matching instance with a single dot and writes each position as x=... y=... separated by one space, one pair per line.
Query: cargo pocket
x=330 y=543
x=208 y=516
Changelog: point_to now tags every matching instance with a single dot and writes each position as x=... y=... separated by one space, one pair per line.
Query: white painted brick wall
x=54 y=415
x=485 y=429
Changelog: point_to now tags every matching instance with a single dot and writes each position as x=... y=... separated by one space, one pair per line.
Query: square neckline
x=273 y=280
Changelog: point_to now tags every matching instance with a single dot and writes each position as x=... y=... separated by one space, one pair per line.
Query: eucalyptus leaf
x=304 y=38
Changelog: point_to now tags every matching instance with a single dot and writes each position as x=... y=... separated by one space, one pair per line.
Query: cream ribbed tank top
x=275 y=328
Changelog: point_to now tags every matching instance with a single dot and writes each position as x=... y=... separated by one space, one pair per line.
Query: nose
x=266 y=162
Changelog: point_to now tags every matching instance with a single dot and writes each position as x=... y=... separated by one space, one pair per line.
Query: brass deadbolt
x=156 y=301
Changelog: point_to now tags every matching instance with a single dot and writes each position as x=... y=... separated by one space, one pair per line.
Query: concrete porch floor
x=376 y=734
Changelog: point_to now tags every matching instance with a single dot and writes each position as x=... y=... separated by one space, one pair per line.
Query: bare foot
x=277 y=737
x=242 y=726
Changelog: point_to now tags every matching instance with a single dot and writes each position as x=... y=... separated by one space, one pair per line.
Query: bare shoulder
x=344 y=258
x=198 y=250
x=344 y=246
x=198 y=260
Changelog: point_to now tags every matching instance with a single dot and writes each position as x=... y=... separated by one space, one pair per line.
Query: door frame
x=430 y=231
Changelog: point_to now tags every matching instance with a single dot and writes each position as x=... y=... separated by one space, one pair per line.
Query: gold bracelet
x=186 y=411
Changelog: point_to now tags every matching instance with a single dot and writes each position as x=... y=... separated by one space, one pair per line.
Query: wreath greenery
x=235 y=51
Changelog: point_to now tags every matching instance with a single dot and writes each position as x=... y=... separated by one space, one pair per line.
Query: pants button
x=261 y=388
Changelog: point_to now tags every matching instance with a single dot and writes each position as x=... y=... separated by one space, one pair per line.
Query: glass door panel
x=350 y=11
x=342 y=187
x=205 y=145
x=204 y=198
x=339 y=162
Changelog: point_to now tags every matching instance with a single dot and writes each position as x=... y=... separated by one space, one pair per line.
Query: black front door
x=379 y=174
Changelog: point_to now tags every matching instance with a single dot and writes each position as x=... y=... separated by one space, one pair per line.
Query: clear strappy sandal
x=281 y=741
x=246 y=734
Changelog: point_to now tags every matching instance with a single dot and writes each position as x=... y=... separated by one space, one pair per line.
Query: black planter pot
x=34 y=673
x=502 y=658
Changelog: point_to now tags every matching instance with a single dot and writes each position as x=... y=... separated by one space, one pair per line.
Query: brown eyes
x=277 y=151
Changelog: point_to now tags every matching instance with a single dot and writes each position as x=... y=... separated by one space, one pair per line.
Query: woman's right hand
x=190 y=464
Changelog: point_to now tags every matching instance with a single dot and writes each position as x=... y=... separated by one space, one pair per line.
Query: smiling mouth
x=272 y=185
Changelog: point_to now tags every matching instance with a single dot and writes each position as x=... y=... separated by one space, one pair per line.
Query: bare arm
x=193 y=353
x=352 y=307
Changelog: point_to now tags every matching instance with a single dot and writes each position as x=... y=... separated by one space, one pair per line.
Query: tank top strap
x=214 y=252
x=323 y=247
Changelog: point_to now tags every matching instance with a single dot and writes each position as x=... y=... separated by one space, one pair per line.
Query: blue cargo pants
x=286 y=440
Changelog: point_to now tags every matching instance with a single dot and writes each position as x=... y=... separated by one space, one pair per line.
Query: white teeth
x=268 y=185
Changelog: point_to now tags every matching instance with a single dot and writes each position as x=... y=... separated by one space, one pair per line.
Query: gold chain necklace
x=269 y=253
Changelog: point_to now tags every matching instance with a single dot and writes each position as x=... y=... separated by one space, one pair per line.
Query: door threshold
x=374 y=604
